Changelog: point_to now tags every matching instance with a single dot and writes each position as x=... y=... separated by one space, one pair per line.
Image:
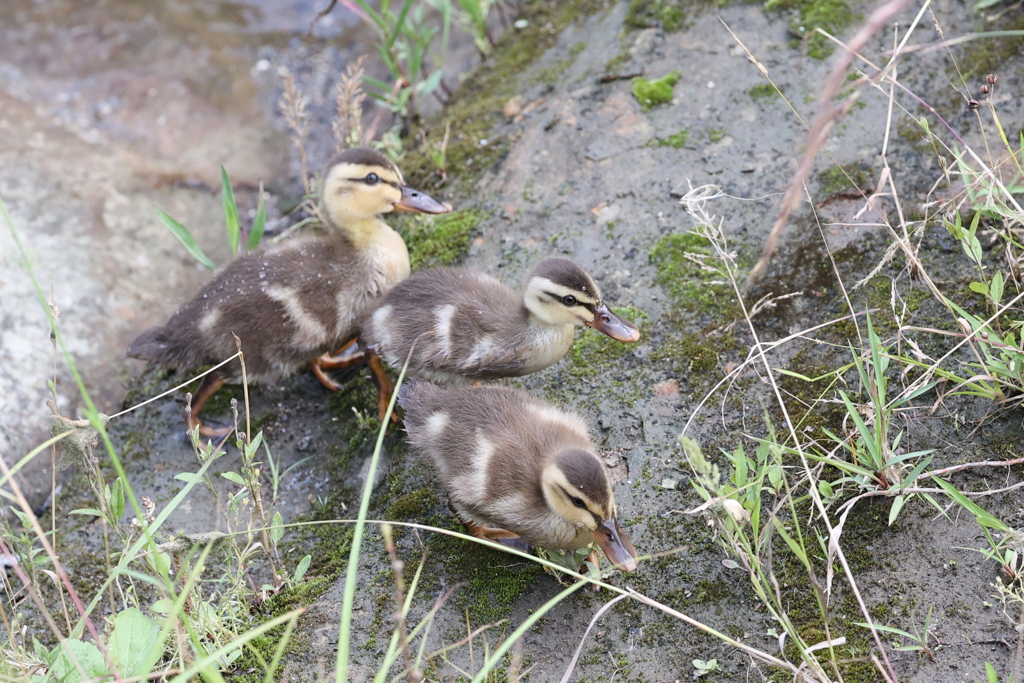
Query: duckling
x=478 y=328
x=515 y=466
x=300 y=298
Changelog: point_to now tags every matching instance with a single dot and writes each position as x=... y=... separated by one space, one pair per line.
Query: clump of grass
x=651 y=93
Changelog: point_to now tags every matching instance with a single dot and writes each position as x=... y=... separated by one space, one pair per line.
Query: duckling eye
x=578 y=502
x=371 y=179
x=570 y=300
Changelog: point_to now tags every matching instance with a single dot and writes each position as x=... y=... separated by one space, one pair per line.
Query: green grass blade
x=185 y=237
x=352 y=570
x=227 y=199
x=399 y=24
x=259 y=223
x=213 y=657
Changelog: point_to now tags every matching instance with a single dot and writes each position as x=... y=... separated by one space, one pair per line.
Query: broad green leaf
x=135 y=643
x=65 y=655
x=187 y=477
x=185 y=237
x=300 y=571
x=227 y=199
x=259 y=223
x=979 y=287
x=990 y=671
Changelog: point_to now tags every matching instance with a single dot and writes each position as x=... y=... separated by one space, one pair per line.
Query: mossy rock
x=440 y=240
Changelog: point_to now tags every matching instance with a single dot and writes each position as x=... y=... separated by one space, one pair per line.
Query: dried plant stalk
x=348 y=119
x=293 y=106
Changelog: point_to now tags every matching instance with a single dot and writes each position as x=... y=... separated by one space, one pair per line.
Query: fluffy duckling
x=514 y=466
x=302 y=297
x=466 y=325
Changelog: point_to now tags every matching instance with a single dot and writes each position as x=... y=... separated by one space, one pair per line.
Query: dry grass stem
x=828 y=116
x=293 y=107
x=348 y=118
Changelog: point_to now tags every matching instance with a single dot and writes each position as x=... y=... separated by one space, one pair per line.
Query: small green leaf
x=990 y=671
x=234 y=477
x=135 y=643
x=259 y=223
x=185 y=237
x=162 y=606
x=995 y=288
x=300 y=571
x=979 y=287
x=89 y=512
x=825 y=489
x=227 y=198
x=276 y=528
x=116 y=500
x=897 y=505
x=187 y=477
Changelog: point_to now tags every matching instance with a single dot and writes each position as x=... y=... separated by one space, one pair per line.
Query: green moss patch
x=837 y=179
x=667 y=14
x=670 y=15
x=681 y=277
x=829 y=15
x=675 y=141
x=439 y=240
x=763 y=92
x=659 y=91
x=592 y=352
x=475 y=109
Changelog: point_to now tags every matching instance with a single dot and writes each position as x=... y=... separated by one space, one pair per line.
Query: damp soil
x=558 y=160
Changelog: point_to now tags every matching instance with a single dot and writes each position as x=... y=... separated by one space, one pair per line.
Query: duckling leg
x=344 y=358
x=384 y=386
x=499 y=536
x=210 y=385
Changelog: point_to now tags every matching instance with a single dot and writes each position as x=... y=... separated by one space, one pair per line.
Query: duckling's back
x=287 y=305
x=460 y=324
x=489 y=444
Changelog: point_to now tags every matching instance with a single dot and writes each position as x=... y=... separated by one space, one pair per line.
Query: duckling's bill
x=419 y=202
x=616 y=545
x=616 y=327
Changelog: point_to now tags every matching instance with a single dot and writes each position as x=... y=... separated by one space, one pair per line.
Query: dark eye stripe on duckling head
x=585 y=473
x=362 y=165
x=566 y=273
